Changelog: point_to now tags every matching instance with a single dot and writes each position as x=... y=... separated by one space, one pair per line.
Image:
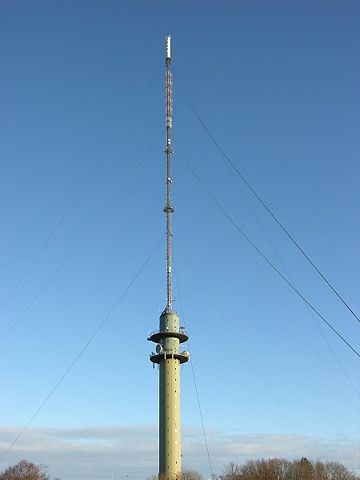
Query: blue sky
x=82 y=188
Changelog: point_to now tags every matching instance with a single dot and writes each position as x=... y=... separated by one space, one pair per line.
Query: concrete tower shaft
x=170 y=335
x=169 y=358
x=169 y=420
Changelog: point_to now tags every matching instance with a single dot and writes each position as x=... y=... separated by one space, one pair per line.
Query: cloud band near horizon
x=130 y=452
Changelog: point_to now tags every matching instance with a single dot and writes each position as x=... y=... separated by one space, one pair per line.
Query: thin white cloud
x=121 y=452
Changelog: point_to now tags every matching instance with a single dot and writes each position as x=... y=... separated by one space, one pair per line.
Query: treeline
x=271 y=469
x=280 y=469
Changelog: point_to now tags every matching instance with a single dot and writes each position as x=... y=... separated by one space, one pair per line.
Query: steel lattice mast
x=168 y=150
x=170 y=335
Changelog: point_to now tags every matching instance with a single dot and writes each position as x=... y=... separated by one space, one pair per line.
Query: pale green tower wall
x=169 y=402
x=169 y=358
x=169 y=420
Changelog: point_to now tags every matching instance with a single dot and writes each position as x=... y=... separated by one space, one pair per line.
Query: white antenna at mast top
x=168 y=46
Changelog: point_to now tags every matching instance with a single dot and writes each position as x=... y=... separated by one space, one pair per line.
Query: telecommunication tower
x=170 y=335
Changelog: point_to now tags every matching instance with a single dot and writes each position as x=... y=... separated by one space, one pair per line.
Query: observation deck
x=181 y=335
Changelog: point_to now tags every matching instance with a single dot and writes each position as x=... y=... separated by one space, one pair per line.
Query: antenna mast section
x=169 y=210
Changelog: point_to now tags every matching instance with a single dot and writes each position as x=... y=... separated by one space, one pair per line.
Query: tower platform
x=183 y=357
x=181 y=335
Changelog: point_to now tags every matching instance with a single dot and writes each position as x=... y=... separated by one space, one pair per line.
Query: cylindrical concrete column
x=169 y=420
x=169 y=358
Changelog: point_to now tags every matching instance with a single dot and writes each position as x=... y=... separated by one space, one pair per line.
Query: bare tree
x=337 y=471
x=190 y=475
x=25 y=470
x=281 y=469
x=184 y=475
x=231 y=472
